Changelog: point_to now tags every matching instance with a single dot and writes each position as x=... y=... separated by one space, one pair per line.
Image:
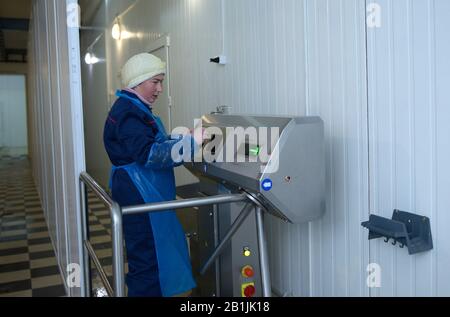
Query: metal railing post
x=117 y=251
x=86 y=286
x=263 y=254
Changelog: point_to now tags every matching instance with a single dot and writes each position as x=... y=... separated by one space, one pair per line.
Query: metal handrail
x=96 y=188
x=88 y=252
x=184 y=203
x=116 y=212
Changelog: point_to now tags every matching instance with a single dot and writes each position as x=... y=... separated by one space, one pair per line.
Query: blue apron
x=175 y=271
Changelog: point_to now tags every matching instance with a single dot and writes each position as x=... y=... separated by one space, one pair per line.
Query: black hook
x=398 y=231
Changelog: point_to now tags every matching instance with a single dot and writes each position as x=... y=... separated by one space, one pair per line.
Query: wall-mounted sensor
x=222 y=60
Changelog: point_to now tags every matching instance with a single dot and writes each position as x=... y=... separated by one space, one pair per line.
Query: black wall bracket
x=406 y=229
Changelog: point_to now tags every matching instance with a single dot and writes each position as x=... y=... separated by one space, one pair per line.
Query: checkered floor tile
x=28 y=266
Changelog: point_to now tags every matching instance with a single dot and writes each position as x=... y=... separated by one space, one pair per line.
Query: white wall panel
x=55 y=110
x=439 y=71
x=307 y=58
x=95 y=101
x=409 y=111
x=265 y=43
x=53 y=128
x=336 y=90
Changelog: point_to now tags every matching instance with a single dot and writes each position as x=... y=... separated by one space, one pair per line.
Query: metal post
x=98 y=266
x=117 y=251
x=263 y=254
x=234 y=227
x=216 y=244
x=86 y=287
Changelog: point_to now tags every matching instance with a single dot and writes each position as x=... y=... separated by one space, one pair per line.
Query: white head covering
x=140 y=68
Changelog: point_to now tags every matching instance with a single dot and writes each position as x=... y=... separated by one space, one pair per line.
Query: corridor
x=28 y=266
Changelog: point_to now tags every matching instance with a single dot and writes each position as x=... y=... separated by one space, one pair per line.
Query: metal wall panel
x=265 y=43
x=337 y=92
x=55 y=147
x=409 y=71
x=74 y=148
x=56 y=138
x=95 y=100
x=308 y=58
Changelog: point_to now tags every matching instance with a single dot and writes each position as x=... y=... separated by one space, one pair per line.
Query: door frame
x=164 y=42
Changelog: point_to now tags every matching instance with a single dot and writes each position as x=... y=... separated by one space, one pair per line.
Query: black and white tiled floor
x=28 y=266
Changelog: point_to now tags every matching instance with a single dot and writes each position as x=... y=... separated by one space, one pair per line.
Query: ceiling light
x=116 y=31
x=87 y=58
x=91 y=59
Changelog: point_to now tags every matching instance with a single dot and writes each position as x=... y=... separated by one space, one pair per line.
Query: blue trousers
x=143 y=273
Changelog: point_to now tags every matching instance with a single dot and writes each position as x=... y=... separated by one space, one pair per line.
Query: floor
x=28 y=266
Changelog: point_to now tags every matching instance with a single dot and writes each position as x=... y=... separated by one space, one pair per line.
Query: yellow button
x=247 y=252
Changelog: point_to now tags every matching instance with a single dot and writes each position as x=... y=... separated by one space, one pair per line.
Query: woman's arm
x=171 y=153
x=139 y=140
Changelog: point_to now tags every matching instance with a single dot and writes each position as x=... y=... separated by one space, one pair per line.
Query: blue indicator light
x=267 y=184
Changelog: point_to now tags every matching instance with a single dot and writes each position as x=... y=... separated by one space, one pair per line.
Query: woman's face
x=151 y=89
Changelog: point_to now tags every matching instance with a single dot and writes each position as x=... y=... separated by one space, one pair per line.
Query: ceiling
x=14 y=22
x=88 y=10
x=14 y=25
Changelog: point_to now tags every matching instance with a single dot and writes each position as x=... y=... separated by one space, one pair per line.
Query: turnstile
x=289 y=183
x=280 y=170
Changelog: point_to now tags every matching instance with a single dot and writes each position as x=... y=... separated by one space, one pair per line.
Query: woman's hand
x=198 y=135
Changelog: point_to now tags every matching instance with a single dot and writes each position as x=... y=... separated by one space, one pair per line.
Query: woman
x=141 y=153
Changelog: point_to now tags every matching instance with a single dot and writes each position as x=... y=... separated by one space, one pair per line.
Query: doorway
x=13 y=116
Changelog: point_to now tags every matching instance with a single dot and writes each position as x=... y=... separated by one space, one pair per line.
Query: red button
x=249 y=291
x=248 y=272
